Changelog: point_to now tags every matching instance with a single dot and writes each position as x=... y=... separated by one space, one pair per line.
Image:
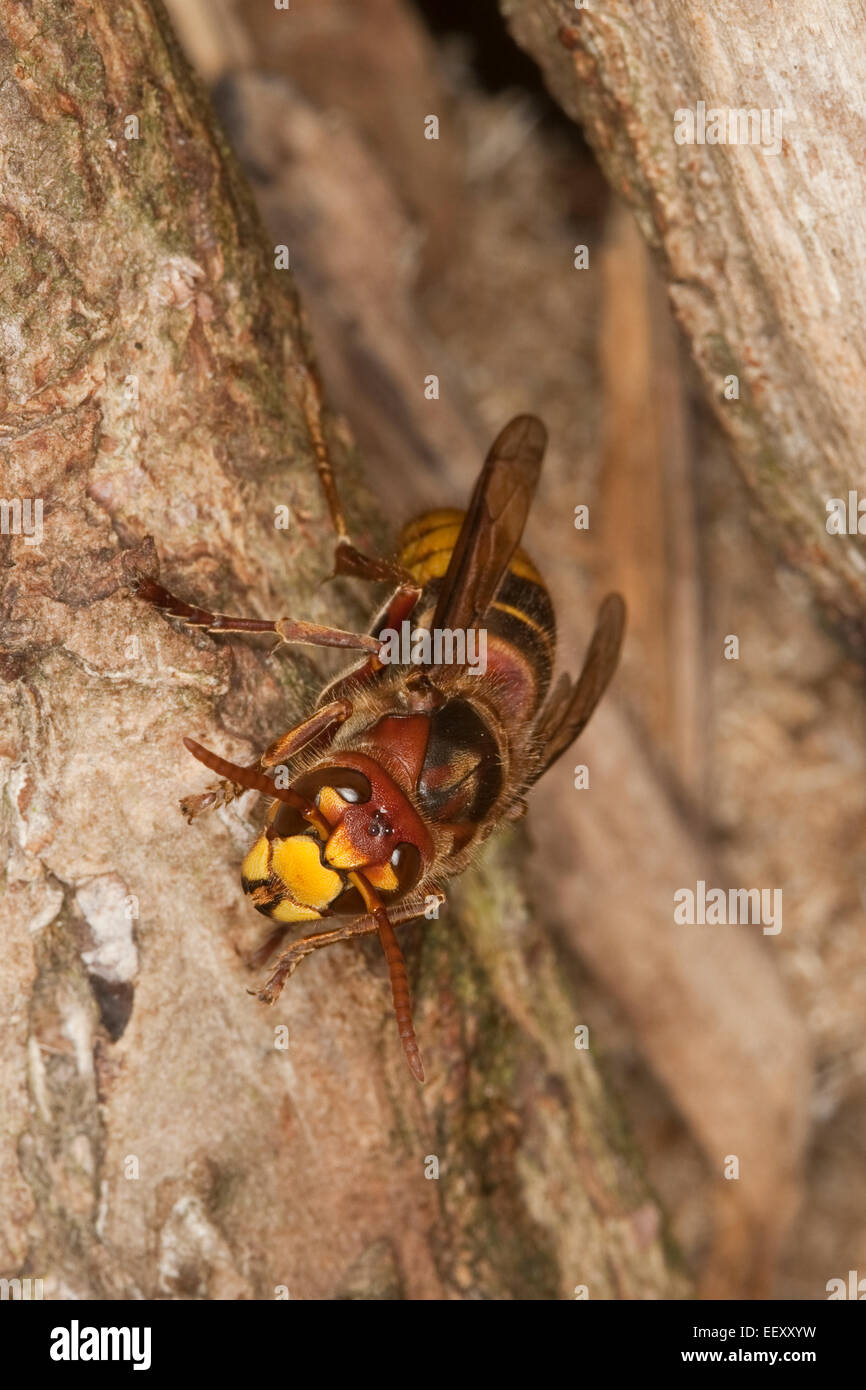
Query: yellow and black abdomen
x=520 y=623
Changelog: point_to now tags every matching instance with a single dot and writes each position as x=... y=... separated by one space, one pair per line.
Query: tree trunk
x=760 y=242
x=157 y=1138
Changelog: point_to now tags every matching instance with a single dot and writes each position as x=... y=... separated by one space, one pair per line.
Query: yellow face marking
x=287 y=911
x=296 y=862
x=383 y=878
x=341 y=852
x=331 y=804
x=256 y=866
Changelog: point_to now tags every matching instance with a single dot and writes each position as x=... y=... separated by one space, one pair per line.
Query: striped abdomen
x=521 y=626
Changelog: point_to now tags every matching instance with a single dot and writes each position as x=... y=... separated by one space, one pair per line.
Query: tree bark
x=761 y=247
x=157 y=1140
x=607 y=867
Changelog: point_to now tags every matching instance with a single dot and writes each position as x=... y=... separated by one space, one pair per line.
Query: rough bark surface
x=761 y=250
x=155 y=1141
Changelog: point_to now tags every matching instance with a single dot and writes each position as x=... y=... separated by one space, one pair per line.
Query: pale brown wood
x=761 y=250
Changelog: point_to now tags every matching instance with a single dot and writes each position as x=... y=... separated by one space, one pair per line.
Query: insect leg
x=347 y=560
x=287 y=629
x=289 y=961
x=217 y=794
x=400 y=606
x=311 y=400
x=325 y=721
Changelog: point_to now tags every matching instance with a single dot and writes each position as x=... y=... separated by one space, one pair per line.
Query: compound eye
x=350 y=785
x=406 y=863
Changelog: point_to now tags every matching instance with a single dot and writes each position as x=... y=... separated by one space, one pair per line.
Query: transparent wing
x=493 y=524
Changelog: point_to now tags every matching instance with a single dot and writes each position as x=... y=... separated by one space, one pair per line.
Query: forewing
x=493 y=524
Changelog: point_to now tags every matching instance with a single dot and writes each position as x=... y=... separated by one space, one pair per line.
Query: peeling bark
x=761 y=250
x=155 y=1142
